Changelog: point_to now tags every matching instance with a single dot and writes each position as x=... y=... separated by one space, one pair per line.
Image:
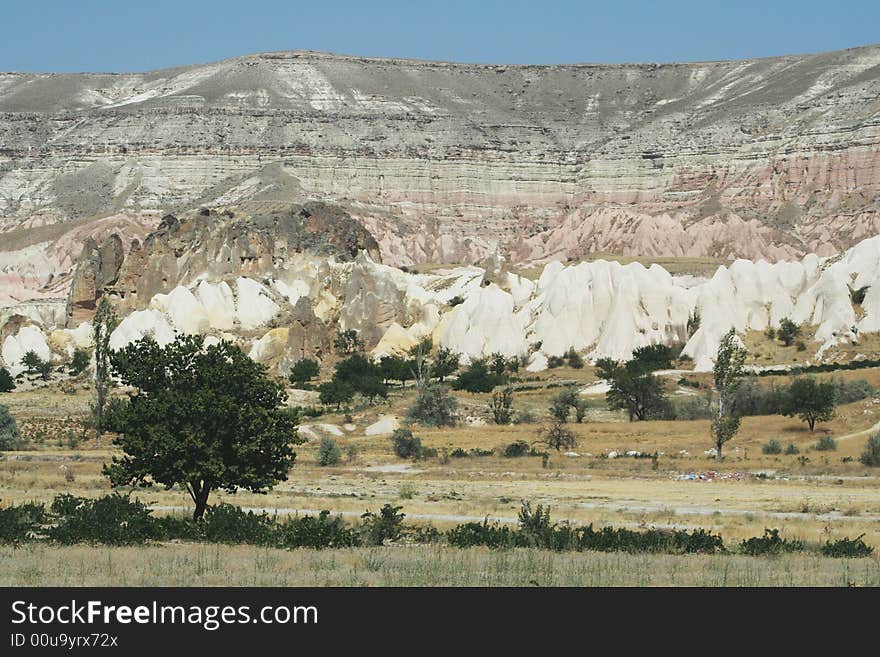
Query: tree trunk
x=718 y=456
x=199 y=494
x=812 y=423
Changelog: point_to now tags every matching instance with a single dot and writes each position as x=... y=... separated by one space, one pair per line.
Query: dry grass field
x=221 y=565
x=814 y=496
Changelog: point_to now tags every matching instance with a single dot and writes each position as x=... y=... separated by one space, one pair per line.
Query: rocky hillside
x=443 y=162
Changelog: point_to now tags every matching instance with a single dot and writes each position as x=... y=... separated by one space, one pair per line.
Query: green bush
x=434 y=406
x=376 y=528
x=111 y=520
x=7 y=384
x=792 y=449
x=328 y=452
x=847 y=547
x=555 y=361
x=772 y=446
x=20 y=524
x=406 y=445
x=770 y=543
x=225 y=523
x=871 y=455
x=574 y=359
x=321 y=531
x=826 y=444
x=79 y=363
x=516 y=449
x=9 y=436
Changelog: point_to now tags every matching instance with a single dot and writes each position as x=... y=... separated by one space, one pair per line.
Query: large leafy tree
x=632 y=387
x=728 y=373
x=7 y=383
x=445 y=363
x=812 y=401
x=207 y=418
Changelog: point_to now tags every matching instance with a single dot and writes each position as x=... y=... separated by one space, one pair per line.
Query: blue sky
x=132 y=35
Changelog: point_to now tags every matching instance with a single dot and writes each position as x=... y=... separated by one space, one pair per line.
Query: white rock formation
x=28 y=338
x=139 y=324
x=384 y=425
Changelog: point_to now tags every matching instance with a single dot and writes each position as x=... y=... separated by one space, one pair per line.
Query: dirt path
x=863 y=432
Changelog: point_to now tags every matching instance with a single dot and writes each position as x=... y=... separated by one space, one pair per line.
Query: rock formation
x=770 y=158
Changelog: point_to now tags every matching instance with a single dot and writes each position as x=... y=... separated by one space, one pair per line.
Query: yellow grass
x=217 y=565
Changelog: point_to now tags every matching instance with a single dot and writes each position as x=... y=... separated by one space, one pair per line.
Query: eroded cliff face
x=444 y=162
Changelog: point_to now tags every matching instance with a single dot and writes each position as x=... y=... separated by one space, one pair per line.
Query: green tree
x=397 y=368
x=498 y=364
x=434 y=406
x=727 y=372
x=9 y=436
x=557 y=437
x=502 y=406
x=79 y=362
x=207 y=418
x=477 y=378
x=633 y=388
x=363 y=375
x=445 y=363
x=328 y=452
x=335 y=392
x=348 y=342
x=812 y=401
x=303 y=371
x=7 y=384
x=654 y=357
x=32 y=361
x=103 y=326
x=788 y=331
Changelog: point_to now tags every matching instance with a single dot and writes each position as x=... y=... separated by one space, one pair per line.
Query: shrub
x=328 y=452
x=434 y=406
x=386 y=525
x=826 y=444
x=800 y=345
x=555 y=361
x=225 y=523
x=516 y=449
x=770 y=543
x=19 y=524
x=846 y=392
x=111 y=520
x=9 y=436
x=7 y=384
x=792 y=449
x=574 y=359
x=848 y=548
x=316 y=532
x=79 y=363
x=557 y=437
x=502 y=406
x=406 y=445
x=787 y=331
x=772 y=446
x=473 y=534
x=692 y=408
x=871 y=455
x=456 y=301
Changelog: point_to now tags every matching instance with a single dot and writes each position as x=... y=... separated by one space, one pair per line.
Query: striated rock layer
x=771 y=158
